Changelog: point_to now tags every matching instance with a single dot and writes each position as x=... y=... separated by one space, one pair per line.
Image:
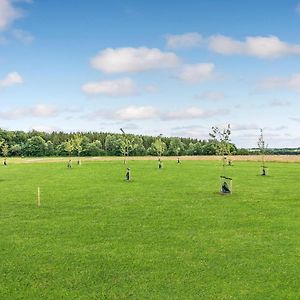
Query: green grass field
x=168 y=234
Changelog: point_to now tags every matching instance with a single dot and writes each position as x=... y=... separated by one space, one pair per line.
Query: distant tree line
x=272 y=151
x=36 y=143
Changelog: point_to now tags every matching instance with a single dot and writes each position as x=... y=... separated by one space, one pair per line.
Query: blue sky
x=151 y=67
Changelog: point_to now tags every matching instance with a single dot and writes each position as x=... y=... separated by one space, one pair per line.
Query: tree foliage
x=222 y=139
x=262 y=146
x=36 y=143
x=159 y=147
x=76 y=142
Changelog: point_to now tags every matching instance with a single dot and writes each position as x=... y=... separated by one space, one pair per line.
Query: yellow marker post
x=39 y=197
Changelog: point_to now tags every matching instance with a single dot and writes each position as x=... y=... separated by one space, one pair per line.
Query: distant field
x=271 y=158
x=168 y=234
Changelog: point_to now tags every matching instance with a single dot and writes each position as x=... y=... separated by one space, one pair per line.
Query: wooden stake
x=38 y=197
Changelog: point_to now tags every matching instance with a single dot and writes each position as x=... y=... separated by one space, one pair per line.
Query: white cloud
x=225 y=45
x=191 y=113
x=211 y=95
x=290 y=83
x=136 y=113
x=113 y=88
x=190 y=131
x=8 y=14
x=197 y=72
x=133 y=60
x=125 y=114
x=298 y=8
x=39 y=110
x=268 y=47
x=149 y=112
x=257 y=46
x=187 y=40
x=43 y=110
x=11 y=79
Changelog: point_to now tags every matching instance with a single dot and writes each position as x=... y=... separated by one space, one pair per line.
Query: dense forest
x=35 y=143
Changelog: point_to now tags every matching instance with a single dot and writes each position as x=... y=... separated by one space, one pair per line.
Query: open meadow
x=168 y=234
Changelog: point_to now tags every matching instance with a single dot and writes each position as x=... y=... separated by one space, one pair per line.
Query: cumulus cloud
x=290 y=83
x=114 y=88
x=8 y=14
x=149 y=112
x=191 y=113
x=194 y=131
x=126 y=113
x=11 y=79
x=225 y=45
x=136 y=113
x=43 y=110
x=257 y=46
x=133 y=60
x=211 y=95
x=187 y=40
x=197 y=72
x=38 y=111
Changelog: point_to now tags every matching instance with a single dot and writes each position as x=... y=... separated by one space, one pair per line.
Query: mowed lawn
x=168 y=234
